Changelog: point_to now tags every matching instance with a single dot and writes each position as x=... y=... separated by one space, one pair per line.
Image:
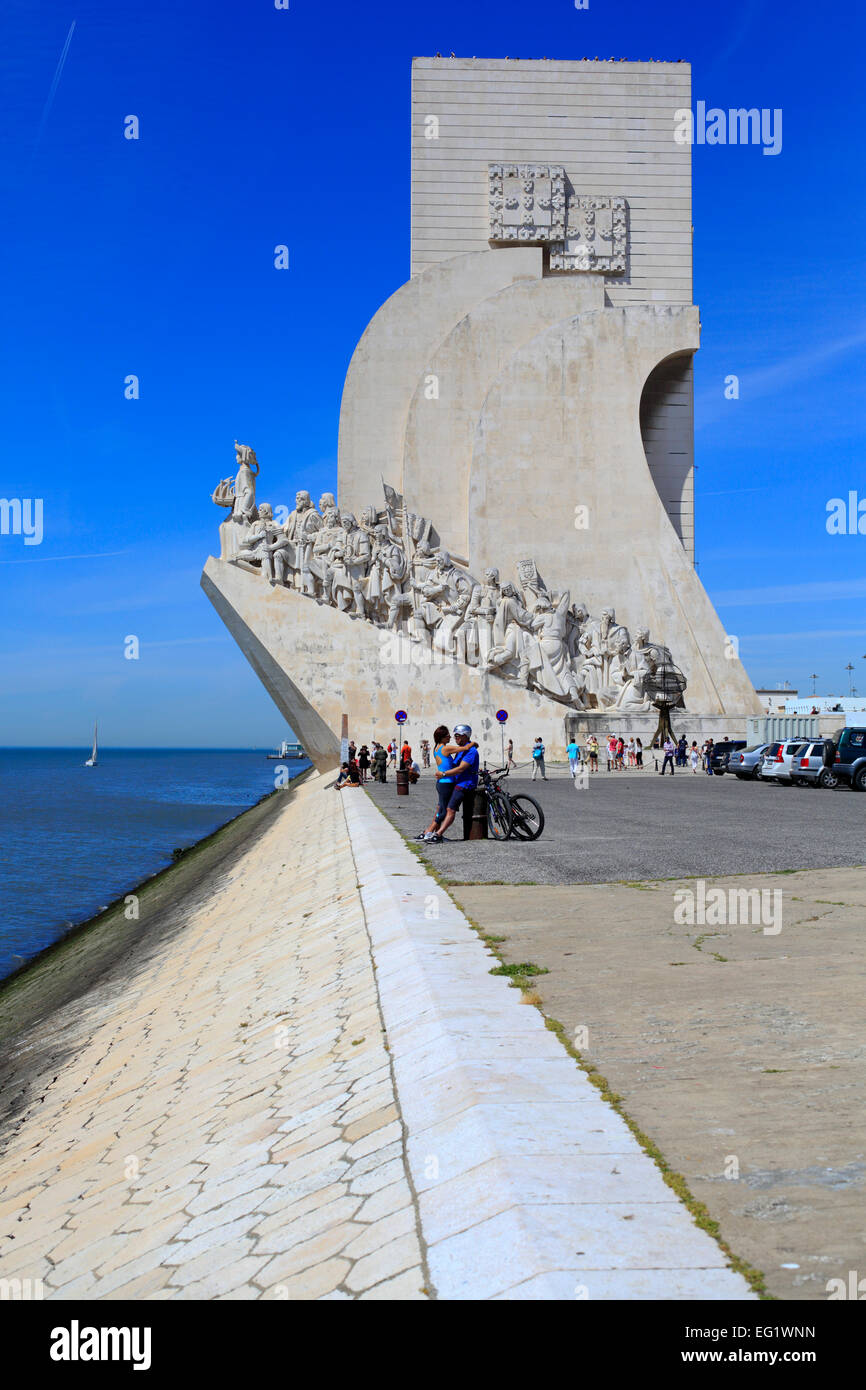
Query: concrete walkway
x=317 y=1090
x=739 y=1050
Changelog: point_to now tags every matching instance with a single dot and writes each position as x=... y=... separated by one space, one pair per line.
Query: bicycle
x=518 y=816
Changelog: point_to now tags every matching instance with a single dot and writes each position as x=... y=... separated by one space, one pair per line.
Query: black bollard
x=476 y=828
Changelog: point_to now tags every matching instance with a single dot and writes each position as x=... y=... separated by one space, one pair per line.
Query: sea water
x=72 y=837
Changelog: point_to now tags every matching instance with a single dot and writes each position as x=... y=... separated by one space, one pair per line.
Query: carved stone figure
x=384 y=591
x=553 y=674
x=438 y=589
x=531 y=583
x=357 y=549
x=633 y=665
x=257 y=542
x=514 y=622
x=244 y=508
x=596 y=648
x=329 y=537
x=239 y=494
x=483 y=608
x=450 y=636
x=576 y=619
x=340 y=592
x=300 y=528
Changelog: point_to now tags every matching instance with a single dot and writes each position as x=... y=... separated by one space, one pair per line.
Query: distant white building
x=775 y=701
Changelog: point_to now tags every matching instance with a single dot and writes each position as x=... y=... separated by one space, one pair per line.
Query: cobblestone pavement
x=226 y=1123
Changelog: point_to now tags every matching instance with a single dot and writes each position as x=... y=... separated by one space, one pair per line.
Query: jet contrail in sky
x=58 y=73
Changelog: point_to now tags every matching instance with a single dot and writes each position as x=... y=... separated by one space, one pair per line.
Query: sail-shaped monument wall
x=531 y=383
x=529 y=389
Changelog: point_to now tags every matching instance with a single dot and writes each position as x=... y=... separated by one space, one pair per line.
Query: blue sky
x=261 y=126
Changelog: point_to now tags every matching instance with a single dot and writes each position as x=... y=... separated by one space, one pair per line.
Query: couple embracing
x=456 y=779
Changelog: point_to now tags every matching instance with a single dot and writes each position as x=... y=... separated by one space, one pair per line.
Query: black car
x=721 y=753
x=845 y=752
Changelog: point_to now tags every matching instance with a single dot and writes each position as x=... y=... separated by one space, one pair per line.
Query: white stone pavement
x=233 y=1120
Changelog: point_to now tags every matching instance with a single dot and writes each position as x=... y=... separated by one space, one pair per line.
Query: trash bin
x=478 y=825
x=402 y=782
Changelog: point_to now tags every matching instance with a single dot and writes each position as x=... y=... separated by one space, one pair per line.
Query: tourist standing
x=708 y=757
x=695 y=757
x=380 y=764
x=620 y=753
x=638 y=753
x=670 y=749
x=572 y=752
x=592 y=750
x=538 y=760
x=392 y=752
x=509 y=754
x=364 y=762
x=405 y=755
x=425 y=752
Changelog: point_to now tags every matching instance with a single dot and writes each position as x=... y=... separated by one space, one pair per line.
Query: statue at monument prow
x=239 y=492
x=387 y=570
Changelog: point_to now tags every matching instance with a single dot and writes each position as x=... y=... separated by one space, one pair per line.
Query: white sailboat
x=91 y=761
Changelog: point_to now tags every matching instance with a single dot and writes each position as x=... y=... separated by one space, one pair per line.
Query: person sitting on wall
x=349 y=776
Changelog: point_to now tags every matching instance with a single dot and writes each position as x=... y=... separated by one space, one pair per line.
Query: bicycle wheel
x=527 y=818
x=498 y=815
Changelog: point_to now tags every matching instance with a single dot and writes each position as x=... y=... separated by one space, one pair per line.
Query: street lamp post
x=849 y=668
x=814 y=679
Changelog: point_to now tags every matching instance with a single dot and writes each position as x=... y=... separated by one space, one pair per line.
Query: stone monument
x=515 y=450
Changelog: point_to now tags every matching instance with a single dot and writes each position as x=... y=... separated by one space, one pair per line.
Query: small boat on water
x=91 y=761
x=288 y=750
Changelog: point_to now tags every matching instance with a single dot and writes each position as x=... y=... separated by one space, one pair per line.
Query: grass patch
x=526 y=967
x=519 y=975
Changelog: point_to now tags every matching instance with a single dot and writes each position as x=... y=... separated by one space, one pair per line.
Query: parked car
x=845 y=753
x=721 y=753
x=808 y=768
x=747 y=764
x=776 y=767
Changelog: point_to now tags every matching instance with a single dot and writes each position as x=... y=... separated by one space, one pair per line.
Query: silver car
x=777 y=767
x=808 y=768
x=748 y=763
